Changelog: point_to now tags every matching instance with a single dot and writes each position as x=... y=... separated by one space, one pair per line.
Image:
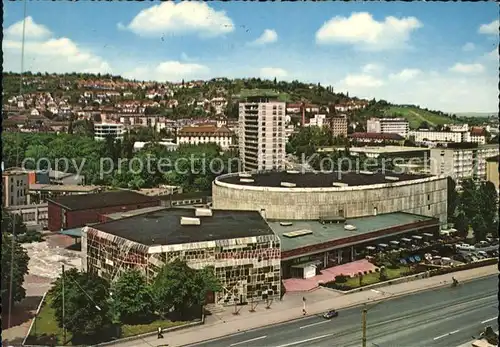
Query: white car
x=465 y=247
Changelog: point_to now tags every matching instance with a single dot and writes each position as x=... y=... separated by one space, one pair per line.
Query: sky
x=439 y=55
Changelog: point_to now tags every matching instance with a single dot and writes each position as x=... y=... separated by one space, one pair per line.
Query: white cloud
x=467 y=68
x=361 y=30
x=43 y=53
x=439 y=91
x=272 y=72
x=490 y=28
x=179 y=18
x=372 y=68
x=469 y=46
x=173 y=71
x=268 y=36
x=32 y=30
x=405 y=75
x=361 y=81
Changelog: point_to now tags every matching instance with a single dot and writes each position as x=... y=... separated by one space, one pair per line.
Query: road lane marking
x=488 y=320
x=313 y=324
x=308 y=340
x=251 y=340
x=448 y=334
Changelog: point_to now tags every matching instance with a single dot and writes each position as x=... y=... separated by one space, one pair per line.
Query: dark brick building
x=67 y=212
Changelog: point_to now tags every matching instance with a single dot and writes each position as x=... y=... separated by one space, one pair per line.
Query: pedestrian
x=160 y=335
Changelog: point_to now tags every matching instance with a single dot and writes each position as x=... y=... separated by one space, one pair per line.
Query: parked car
x=483 y=254
x=465 y=247
x=330 y=314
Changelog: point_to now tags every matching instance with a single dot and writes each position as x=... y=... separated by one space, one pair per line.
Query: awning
x=370 y=248
x=76 y=232
x=405 y=240
x=428 y=234
x=382 y=245
x=416 y=237
x=394 y=242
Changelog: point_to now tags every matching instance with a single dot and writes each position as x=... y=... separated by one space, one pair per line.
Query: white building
x=168 y=143
x=205 y=134
x=457 y=127
x=462 y=163
x=439 y=136
x=318 y=120
x=103 y=130
x=388 y=126
x=262 y=136
x=14 y=188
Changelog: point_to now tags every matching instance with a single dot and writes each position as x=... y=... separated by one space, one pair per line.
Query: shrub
x=341 y=278
x=377 y=269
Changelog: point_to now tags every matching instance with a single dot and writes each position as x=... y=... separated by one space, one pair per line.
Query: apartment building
x=105 y=129
x=262 y=134
x=195 y=135
x=439 y=136
x=318 y=120
x=461 y=162
x=338 y=125
x=398 y=126
x=15 y=184
x=492 y=170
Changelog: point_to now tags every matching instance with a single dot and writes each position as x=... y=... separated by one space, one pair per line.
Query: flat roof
x=388 y=149
x=164 y=228
x=318 y=179
x=101 y=200
x=62 y=187
x=185 y=196
x=120 y=215
x=322 y=233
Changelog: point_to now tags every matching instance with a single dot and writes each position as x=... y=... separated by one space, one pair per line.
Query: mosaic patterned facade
x=248 y=268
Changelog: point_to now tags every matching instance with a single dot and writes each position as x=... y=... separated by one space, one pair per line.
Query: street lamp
x=364 y=314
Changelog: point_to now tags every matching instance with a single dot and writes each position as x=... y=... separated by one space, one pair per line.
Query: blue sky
x=439 y=55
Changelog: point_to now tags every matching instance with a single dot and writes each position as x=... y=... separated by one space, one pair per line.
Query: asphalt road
x=443 y=317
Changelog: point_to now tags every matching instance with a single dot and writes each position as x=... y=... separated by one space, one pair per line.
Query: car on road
x=331 y=314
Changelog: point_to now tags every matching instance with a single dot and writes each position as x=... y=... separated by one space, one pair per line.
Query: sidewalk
x=228 y=324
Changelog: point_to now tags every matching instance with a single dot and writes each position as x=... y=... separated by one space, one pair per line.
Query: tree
x=8 y=221
x=461 y=224
x=424 y=125
x=488 y=198
x=86 y=303
x=452 y=199
x=383 y=274
x=179 y=288
x=19 y=270
x=132 y=298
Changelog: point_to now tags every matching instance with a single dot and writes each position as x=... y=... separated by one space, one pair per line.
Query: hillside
x=416 y=115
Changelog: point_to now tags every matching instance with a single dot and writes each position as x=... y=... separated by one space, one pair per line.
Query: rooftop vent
x=349 y=227
x=245 y=175
x=392 y=178
x=298 y=233
x=366 y=172
x=293 y=172
x=203 y=212
x=246 y=180
x=190 y=221
x=288 y=184
x=286 y=224
x=339 y=184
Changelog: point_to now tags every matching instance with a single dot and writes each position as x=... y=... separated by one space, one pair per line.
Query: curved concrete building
x=292 y=195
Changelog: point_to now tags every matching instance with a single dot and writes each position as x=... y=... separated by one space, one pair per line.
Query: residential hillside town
x=256 y=211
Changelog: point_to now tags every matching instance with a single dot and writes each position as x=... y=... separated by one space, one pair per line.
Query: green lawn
x=245 y=93
x=375 y=277
x=45 y=327
x=415 y=116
